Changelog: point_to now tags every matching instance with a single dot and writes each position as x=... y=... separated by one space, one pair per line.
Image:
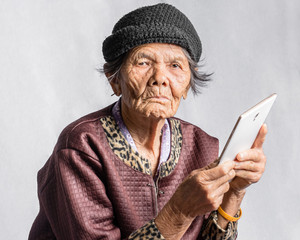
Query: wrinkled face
x=153 y=80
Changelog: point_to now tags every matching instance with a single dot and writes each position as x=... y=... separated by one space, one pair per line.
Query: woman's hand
x=201 y=192
x=250 y=164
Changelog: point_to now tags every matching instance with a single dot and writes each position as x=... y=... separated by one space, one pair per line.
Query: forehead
x=158 y=50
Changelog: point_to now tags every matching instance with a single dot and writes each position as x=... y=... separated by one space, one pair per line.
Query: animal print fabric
x=119 y=145
x=148 y=231
x=212 y=231
x=129 y=156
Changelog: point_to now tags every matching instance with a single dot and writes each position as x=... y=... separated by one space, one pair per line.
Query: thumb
x=261 y=136
x=219 y=171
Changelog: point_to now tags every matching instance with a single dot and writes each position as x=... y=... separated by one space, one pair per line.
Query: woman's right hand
x=201 y=192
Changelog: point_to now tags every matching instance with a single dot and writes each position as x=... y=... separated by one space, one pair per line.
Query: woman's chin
x=160 y=112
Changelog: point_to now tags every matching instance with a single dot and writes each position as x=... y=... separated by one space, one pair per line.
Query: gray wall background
x=49 y=51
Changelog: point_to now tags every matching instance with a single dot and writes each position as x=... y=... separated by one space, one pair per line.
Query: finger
x=261 y=136
x=251 y=177
x=224 y=179
x=256 y=155
x=249 y=166
x=216 y=197
x=223 y=188
x=219 y=171
x=212 y=206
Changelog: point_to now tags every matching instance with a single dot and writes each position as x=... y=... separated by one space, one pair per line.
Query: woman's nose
x=159 y=77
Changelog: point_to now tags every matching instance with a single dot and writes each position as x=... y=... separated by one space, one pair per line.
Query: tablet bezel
x=264 y=107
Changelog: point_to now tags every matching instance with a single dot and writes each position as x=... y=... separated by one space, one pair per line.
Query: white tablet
x=246 y=129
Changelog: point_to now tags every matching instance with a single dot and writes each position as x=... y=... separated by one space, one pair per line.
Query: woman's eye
x=144 y=63
x=175 y=65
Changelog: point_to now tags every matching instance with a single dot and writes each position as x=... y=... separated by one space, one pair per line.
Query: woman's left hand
x=250 y=164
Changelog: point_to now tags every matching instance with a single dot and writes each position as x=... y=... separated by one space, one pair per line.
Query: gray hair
x=198 y=80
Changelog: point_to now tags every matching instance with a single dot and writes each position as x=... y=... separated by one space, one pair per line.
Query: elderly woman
x=132 y=170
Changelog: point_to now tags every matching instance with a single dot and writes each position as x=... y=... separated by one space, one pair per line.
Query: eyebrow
x=171 y=58
x=143 y=55
x=177 y=58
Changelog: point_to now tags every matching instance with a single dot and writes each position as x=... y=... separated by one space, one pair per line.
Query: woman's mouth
x=159 y=98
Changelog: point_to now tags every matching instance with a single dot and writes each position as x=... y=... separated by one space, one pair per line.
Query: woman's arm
x=249 y=168
x=201 y=192
x=74 y=203
x=205 y=190
x=73 y=199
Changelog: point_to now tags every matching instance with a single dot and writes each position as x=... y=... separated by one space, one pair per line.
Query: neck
x=146 y=133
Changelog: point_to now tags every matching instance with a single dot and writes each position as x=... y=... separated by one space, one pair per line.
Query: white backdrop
x=49 y=52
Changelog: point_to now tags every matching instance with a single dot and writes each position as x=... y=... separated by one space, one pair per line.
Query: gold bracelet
x=227 y=216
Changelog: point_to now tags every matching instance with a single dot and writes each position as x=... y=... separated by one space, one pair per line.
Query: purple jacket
x=94 y=186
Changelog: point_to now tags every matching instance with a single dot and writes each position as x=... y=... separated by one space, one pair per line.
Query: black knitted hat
x=160 y=23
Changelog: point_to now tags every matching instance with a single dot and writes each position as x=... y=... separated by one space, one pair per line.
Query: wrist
x=231 y=205
x=228 y=217
x=236 y=193
x=171 y=223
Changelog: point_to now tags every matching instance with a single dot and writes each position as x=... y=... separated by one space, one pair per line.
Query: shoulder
x=198 y=143
x=195 y=133
x=78 y=146
x=82 y=132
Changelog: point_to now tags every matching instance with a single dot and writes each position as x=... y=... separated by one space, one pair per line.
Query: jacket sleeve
x=211 y=229
x=74 y=203
x=148 y=231
x=74 y=199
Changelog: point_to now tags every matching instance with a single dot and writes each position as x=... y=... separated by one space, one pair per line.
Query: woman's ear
x=184 y=95
x=113 y=81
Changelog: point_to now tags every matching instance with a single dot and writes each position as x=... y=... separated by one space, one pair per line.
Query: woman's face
x=153 y=80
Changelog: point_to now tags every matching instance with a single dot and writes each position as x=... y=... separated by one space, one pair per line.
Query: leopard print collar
x=132 y=158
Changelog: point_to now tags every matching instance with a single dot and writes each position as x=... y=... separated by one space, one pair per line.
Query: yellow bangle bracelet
x=228 y=217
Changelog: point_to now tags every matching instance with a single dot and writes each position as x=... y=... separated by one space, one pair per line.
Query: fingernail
x=241 y=155
x=231 y=173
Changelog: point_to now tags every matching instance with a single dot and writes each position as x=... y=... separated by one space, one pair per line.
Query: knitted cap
x=160 y=23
